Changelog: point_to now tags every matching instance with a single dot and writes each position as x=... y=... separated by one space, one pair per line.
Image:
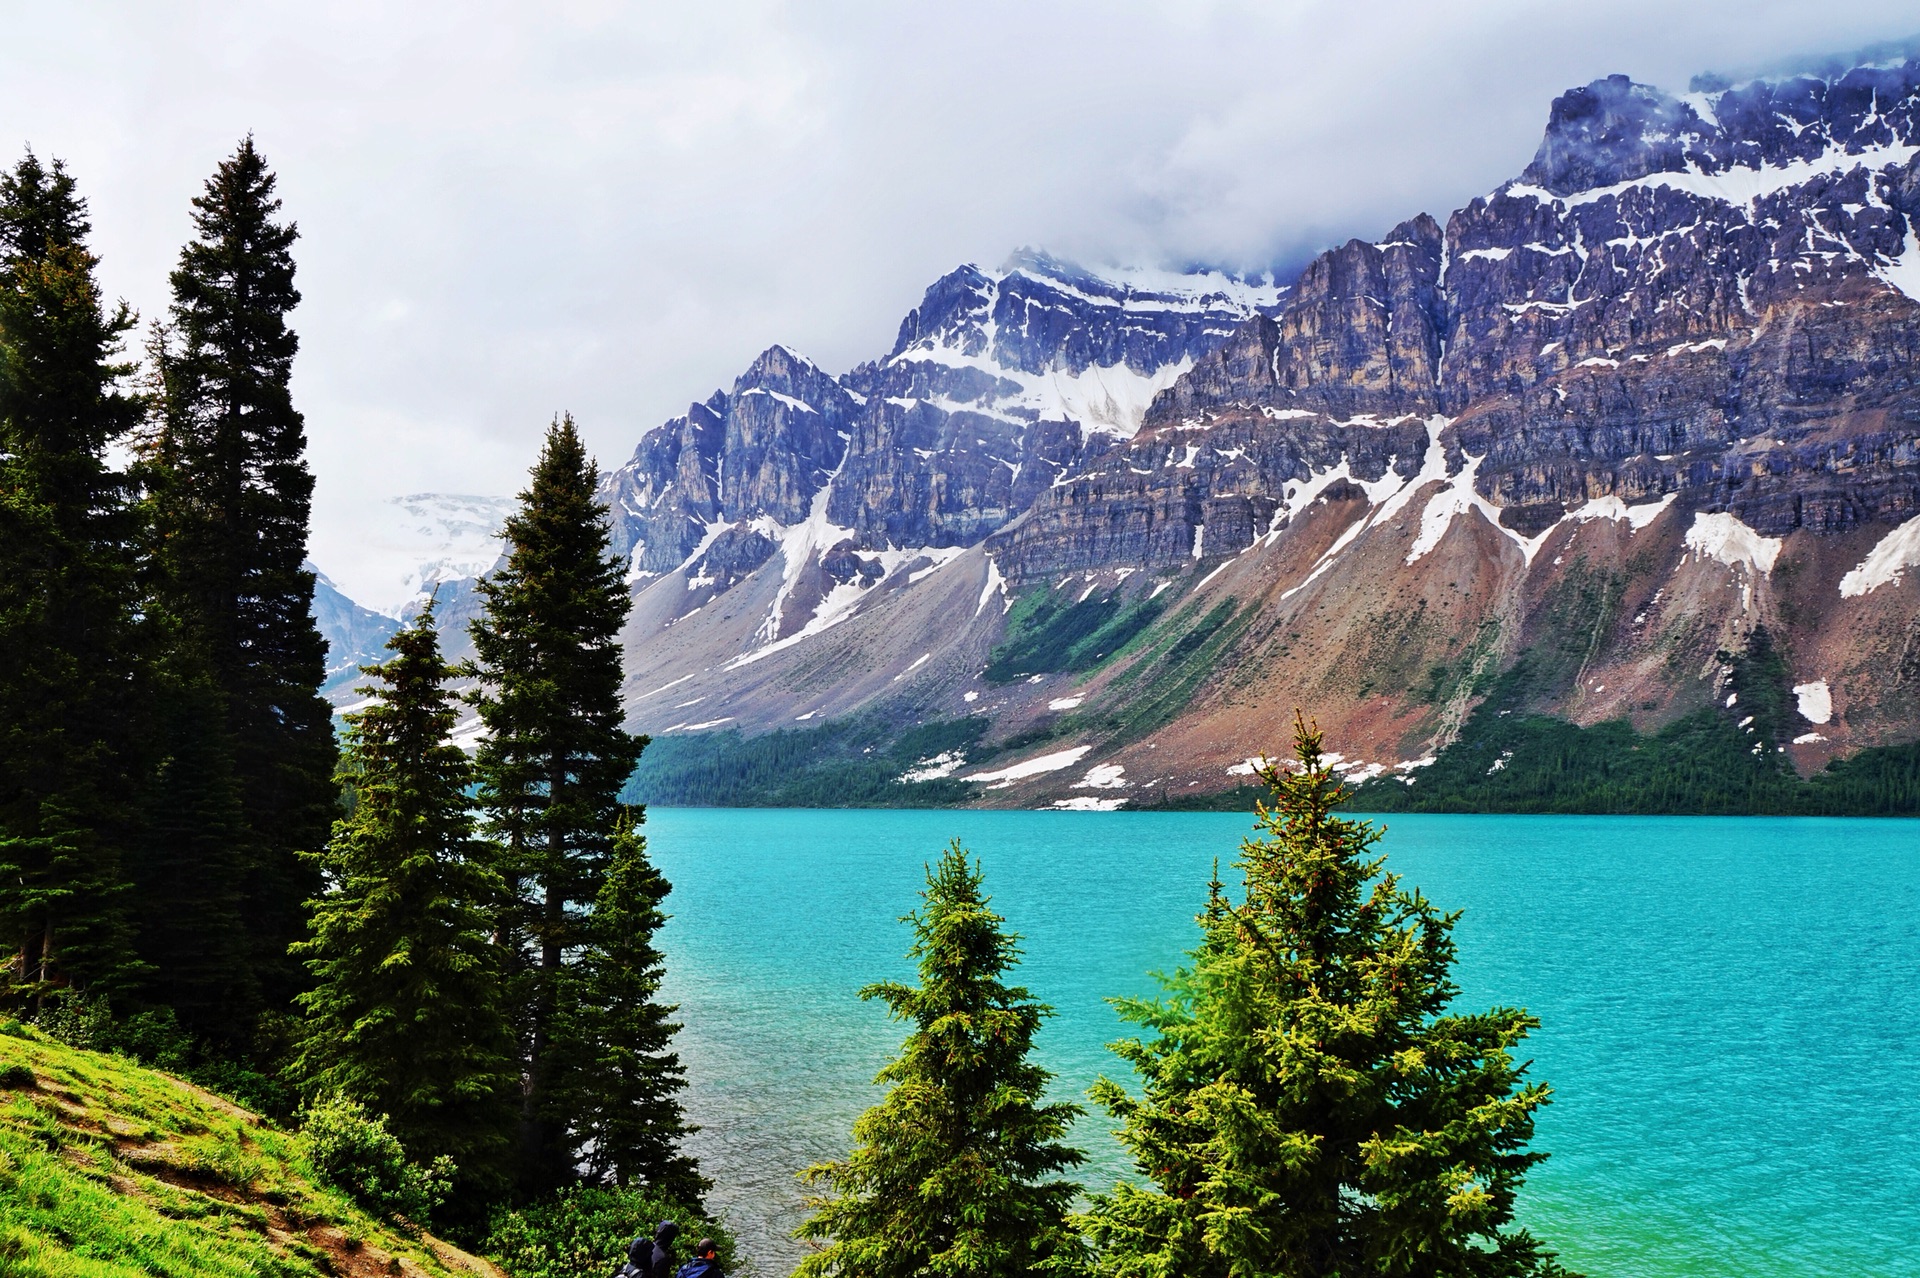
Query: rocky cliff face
x=1652 y=398
x=998 y=384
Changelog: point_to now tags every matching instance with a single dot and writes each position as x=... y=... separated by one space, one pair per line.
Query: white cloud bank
x=509 y=210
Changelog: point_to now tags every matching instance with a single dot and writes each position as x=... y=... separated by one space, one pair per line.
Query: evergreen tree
x=67 y=641
x=628 y=1092
x=231 y=494
x=950 y=1172
x=405 y=1012
x=550 y=771
x=191 y=871
x=1311 y=1108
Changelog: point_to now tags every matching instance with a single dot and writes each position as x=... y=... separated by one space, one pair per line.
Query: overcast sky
x=511 y=209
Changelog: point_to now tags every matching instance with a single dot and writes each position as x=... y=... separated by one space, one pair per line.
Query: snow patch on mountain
x=934 y=767
x=1000 y=778
x=1815 y=701
x=1148 y=288
x=1611 y=507
x=1903 y=272
x=1884 y=565
x=1742 y=186
x=804 y=545
x=1107 y=398
x=1723 y=537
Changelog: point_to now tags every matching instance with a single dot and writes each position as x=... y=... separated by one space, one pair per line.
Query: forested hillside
x=438 y=961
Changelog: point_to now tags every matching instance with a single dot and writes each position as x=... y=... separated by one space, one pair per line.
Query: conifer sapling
x=405 y=1016
x=631 y=1082
x=954 y=1172
x=1310 y=1105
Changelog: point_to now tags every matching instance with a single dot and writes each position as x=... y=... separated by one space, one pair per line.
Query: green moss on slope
x=111 y=1169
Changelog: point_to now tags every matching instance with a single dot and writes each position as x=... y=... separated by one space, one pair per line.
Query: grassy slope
x=107 y=1169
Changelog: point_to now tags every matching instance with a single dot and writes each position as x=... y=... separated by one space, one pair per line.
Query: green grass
x=110 y=1169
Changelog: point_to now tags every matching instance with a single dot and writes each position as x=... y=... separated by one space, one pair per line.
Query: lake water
x=1730 y=1006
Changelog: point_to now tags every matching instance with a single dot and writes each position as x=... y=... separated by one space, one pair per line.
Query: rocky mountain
x=1632 y=440
x=998 y=385
x=355 y=636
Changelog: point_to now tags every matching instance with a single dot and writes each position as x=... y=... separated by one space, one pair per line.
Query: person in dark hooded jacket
x=705 y=1262
x=651 y=1258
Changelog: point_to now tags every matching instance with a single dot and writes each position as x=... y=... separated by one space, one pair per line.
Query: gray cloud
x=610 y=208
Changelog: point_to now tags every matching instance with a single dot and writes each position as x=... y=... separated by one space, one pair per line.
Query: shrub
x=70 y=1017
x=15 y=1076
x=354 y=1152
x=585 y=1229
x=155 y=1039
x=245 y=1086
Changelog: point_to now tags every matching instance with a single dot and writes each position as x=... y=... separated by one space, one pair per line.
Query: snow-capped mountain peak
x=999 y=383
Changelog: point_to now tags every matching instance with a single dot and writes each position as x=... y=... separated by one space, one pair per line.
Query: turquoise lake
x=1730 y=1006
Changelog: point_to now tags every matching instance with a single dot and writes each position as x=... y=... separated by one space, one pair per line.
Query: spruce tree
x=191 y=872
x=1311 y=1107
x=68 y=755
x=629 y=1086
x=231 y=495
x=550 y=771
x=405 y=1015
x=953 y=1172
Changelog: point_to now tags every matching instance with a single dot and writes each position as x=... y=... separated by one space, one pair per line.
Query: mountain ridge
x=1646 y=405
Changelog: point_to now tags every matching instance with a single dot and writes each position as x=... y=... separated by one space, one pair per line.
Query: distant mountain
x=998 y=384
x=355 y=637
x=426 y=543
x=1602 y=445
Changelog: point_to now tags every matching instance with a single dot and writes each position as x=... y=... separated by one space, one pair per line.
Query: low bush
x=76 y=1020
x=585 y=1229
x=155 y=1039
x=353 y=1151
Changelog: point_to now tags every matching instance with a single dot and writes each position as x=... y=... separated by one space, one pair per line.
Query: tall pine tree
x=191 y=871
x=954 y=1172
x=629 y=1084
x=406 y=1013
x=231 y=498
x=1311 y=1108
x=67 y=636
x=551 y=768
